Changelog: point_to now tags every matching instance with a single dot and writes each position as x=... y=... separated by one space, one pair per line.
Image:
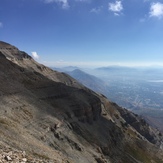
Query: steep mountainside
x=47 y=116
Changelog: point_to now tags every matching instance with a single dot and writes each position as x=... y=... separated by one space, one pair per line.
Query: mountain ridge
x=90 y=81
x=56 y=119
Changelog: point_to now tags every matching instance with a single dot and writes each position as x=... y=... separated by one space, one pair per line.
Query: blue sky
x=85 y=32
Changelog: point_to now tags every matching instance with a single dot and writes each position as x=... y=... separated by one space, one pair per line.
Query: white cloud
x=1 y=24
x=116 y=7
x=35 y=55
x=64 y=3
x=96 y=10
x=156 y=10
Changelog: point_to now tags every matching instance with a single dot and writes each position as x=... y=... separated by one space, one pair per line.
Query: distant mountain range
x=48 y=116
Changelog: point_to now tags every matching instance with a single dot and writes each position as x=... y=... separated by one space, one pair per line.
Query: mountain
x=90 y=81
x=65 y=69
x=47 y=116
x=130 y=73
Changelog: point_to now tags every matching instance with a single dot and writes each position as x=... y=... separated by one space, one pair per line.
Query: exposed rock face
x=55 y=119
x=140 y=125
x=12 y=52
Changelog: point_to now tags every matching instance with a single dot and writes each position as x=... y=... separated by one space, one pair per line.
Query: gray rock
x=8 y=158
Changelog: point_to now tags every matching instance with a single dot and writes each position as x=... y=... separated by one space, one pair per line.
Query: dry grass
x=142 y=155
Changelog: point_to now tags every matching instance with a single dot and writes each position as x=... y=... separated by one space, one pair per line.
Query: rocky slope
x=53 y=118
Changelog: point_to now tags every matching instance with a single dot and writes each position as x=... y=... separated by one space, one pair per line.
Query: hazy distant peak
x=78 y=71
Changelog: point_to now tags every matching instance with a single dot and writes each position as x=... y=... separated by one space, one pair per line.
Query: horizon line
x=61 y=64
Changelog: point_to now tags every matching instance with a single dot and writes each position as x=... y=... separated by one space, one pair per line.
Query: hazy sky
x=85 y=32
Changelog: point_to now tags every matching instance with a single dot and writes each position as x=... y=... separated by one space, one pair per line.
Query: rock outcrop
x=53 y=118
